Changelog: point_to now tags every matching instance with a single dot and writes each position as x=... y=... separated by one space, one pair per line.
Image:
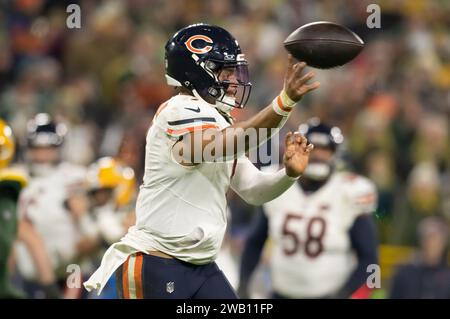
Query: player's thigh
x=216 y=286
x=151 y=277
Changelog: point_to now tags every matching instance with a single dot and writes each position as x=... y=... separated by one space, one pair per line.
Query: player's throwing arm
x=231 y=142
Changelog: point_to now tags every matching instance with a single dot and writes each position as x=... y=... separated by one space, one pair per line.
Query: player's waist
x=199 y=246
x=158 y=253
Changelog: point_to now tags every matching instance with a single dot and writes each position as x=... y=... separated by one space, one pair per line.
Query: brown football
x=323 y=44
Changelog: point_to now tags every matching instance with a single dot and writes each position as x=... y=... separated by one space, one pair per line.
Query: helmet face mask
x=241 y=84
x=195 y=57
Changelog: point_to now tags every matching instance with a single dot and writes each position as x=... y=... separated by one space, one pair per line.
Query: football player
x=181 y=206
x=12 y=181
x=45 y=204
x=321 y=229
x=112 y=186
x=111 y=194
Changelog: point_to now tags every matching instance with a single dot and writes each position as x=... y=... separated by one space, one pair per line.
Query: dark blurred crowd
x=106 y=80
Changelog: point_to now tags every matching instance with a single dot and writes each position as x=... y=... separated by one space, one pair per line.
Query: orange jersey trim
x=191 y=129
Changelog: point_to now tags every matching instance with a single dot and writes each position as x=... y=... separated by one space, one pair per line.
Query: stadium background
x=106 y=80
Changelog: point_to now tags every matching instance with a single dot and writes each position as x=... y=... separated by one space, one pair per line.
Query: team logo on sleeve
x=190 y=44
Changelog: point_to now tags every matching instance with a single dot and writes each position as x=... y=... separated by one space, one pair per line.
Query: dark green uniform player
x=11 y=183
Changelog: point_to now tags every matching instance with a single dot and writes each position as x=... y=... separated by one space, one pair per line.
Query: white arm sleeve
x=271 y=134
x=256 y=187
x=255 y=140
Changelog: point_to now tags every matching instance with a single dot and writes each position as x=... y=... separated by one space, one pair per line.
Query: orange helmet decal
x=190 y=47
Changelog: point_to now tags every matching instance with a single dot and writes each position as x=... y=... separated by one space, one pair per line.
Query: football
x=323 y=44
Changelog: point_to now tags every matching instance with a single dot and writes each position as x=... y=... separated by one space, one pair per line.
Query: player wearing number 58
x=317 y=227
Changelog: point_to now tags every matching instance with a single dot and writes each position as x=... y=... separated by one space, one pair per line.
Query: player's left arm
x=363 y=238
x=28 y=235
x=256 y=187
x=252 y=251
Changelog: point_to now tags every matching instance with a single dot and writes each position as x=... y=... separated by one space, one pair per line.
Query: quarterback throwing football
x=181 y=207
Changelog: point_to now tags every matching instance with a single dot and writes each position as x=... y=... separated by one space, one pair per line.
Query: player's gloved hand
x=52 y=291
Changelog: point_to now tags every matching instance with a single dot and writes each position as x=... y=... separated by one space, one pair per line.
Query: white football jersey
x=183 y=208
x=42 y=202
x=109 y=222
x=312 y=255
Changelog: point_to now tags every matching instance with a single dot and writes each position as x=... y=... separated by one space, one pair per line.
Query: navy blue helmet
x=196 y=54
x=321 y=134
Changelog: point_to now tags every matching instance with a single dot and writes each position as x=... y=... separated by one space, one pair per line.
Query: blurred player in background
x=112 y=188
x=112 y=194
x=181 y=207
x=49 y=205
x=317 y=228
x=11 y=183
